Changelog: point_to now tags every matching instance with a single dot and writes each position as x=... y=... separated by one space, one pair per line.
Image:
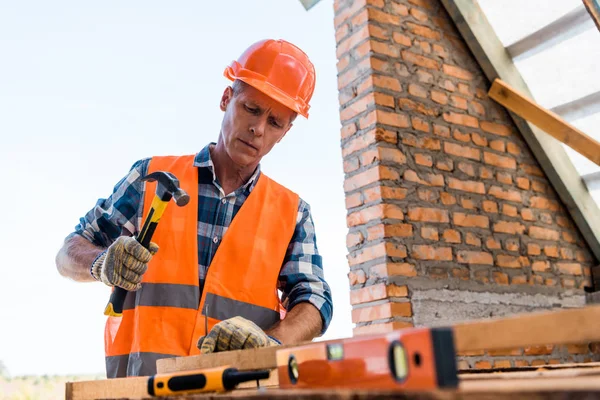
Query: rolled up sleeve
x=119 y=213
x=301 y=278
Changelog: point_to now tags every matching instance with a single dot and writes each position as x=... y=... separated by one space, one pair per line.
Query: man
x=224 y=256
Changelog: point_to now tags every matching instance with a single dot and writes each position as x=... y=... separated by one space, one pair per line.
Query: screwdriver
x=218 y=379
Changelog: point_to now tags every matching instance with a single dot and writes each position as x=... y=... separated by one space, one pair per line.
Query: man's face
x=253 y=123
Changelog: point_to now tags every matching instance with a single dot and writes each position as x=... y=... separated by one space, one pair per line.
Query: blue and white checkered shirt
x=301 y=277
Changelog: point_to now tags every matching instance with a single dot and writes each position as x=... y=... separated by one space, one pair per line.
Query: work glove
x=123 y=263
x=236 y=333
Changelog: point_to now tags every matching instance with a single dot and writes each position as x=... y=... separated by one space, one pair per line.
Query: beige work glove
x=123 y=263
x=236 y=333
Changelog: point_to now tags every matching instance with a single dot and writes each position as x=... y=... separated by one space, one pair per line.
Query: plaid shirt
x=301 y=276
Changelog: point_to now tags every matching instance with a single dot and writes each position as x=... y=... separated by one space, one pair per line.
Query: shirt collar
x=203 y=160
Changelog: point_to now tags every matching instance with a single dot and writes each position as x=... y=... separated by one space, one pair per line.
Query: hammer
x=166 y=189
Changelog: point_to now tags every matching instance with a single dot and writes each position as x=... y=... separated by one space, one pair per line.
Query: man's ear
x=226 y=98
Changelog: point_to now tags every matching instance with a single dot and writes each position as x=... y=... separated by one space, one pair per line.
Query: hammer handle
x=114 y=308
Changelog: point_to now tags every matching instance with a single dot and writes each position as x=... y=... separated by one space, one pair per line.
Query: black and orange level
x=410 y=359
x=218 y=379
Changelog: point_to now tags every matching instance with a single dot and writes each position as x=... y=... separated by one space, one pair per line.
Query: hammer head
x=168 y=186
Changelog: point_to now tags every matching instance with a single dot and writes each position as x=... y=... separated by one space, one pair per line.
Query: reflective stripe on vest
x=165 y=317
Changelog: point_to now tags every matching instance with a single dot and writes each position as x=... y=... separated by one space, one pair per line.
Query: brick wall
x=450 y=216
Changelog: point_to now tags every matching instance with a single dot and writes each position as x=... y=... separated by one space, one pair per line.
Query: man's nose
x=257 y=128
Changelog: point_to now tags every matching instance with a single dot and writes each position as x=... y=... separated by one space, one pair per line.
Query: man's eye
x=251 y=110
x=275 y=123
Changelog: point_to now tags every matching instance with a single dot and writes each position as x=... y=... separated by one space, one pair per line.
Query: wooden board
x=593 y=7
x=579 y=325
x=546 y=120
x=136 y=388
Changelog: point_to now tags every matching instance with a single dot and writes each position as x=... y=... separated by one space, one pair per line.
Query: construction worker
x=213 y=283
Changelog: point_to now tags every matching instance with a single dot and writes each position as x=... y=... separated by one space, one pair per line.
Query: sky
x=88 y=88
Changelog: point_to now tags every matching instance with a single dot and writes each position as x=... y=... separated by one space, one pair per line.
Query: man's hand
x=123 y=263
x=235 y=334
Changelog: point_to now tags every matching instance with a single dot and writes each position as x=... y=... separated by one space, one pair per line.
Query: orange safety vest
x=166 y=316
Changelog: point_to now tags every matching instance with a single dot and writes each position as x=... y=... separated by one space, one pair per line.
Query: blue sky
x=87 y=88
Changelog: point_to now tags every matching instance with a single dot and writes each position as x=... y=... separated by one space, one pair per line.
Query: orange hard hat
x=280 y=70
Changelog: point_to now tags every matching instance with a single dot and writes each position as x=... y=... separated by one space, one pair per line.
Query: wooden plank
x=491 y=55
x=137 y=388
x=546 y=120
x=569 y=326
x=541 y=373
x=241 y=359
x=593 y=7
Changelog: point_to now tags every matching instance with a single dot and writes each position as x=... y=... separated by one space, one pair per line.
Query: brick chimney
x=450 y=216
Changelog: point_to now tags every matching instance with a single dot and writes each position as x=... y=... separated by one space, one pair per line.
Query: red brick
x=439 y=97
x=382 y=311
x=538 y=186
x=353 y=239
x=567 y=254
x=538 y=350
x=505 y=352
x=569 y=268
x=486 y=173
x=417 y=90
x=415 y=106
x=393 y=119
x=467 y=168
x=513 y=148
x=358 y=107
x=427 y=179
x=472 y=240
x=427 y=195
x=490 y=206
x=527 y=214
x=567 y=282
x=428 y=215
x=421 y=142
x=351 y=165
x=563 y=222
x=447 y=199
x=509 y=210
x=540 y=266
x=451 y=236
x=379 y=193
x=424 y=77
x=518 y=280
x=511 y=261
x=348 y=130
x=392 y=269
x=523 y=183
x=419 y=60
x=543 y=233
x=512 y=244
x=380 y=328
x=579 y=348
x=468 y=204
x=387 y=82
x=377 y=292
x=448 y=85
x=543 y=203
x=531 y=170
x=383 y=17
x=399 y=9
x=496 y=129
x=424 y=252
x=357 y=277
x=375 y=174
x=462 y=151
x=429 y=233
x=477 y=108
x=384 y=49
x=440 y=51
x=419 y=124
x=423 y=31
x=445 y=165
x=361 y=69
x=459 y=102
x=568 y=237
x=499 y=161
x=357 y=36
x=461 y=119
x=353 y=200
x=492 y=244
x=471 y=220
x=474 y=257
x=502 y=364
x=423 y=159
x=551 y=251
x=463 y=137
x=514 y=228
x=457 y=72
x=467 y=186
x=498 y=145
x=500 y=278
x=509 y=195
x=534 y=249
x=379 y=211
x=504 y=177
x=401 y=39
x=418 y=14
